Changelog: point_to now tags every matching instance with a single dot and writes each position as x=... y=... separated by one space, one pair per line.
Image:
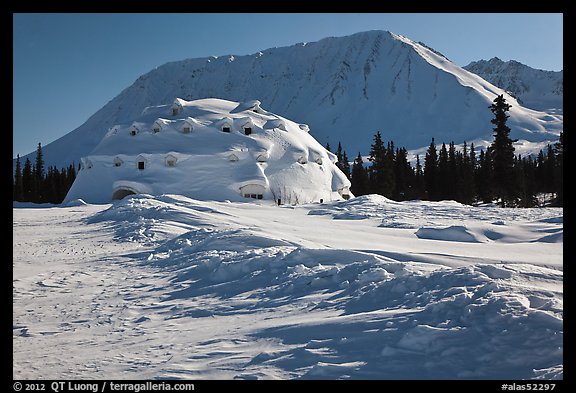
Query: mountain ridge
x=345 y=88
x=537 y=89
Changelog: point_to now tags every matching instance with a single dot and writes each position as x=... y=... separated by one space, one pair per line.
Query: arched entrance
x=123 y=188
x=255 y=191
x=122 y=193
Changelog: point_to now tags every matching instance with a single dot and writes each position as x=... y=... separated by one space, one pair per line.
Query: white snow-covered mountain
x=537 y=89
x=344 y=88
x=210 y=149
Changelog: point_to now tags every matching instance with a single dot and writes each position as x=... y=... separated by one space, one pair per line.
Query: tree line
x=447 y=173
x=464 y=175
x=33 y=183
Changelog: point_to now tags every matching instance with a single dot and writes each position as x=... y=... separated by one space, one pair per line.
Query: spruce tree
x=549 y=170
x=388 y=173
x=444 y=180
x=376 y=170
x=540 y=172
x=484 y=172
x=503 y=153
x=525 y=179
x=559 y=180
x=17 y=195
x=39 y=175
x=342 y=160
x=402 y=175
x=467 y=189
x=49 y=186
x=454 y=182
x=473 y=160
x=345 y=165
x=339 y=156
x=360 y=184
x=27 y=182
x=61 y=189
x=70 y=177
x=418 y=186
x=431 y=172
x=34 y=197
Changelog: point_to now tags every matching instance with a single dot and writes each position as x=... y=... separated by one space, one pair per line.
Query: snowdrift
x=374 y=315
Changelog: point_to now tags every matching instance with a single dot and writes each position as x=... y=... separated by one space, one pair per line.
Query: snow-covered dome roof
x=253 y=160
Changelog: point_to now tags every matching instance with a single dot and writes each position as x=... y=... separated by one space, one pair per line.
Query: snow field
x=171 y=287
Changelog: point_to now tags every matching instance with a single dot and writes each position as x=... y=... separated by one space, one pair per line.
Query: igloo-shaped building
x=210 y=149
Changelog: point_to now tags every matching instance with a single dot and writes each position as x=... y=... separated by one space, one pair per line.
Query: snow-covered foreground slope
x=170 y=287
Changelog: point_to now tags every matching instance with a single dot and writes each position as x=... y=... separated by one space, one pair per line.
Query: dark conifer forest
x=34 y=183
x=463 y=174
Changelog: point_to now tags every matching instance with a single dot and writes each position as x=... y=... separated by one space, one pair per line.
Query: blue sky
x=67 y=66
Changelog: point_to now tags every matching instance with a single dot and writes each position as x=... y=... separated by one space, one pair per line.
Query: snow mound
x=323 y=370
x=454 y=233
x=359 y=208
x=75 y=202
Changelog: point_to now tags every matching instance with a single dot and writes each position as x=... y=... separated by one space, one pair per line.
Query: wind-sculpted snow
x=450 y=220
x=231 y=290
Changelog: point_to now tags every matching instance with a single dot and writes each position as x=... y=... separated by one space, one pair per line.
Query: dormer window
x=158 y=125
x=188 y=125
x=176 y=106
x=140 y=162
x=171 y=160
x=225 y=124
x=247 y=130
